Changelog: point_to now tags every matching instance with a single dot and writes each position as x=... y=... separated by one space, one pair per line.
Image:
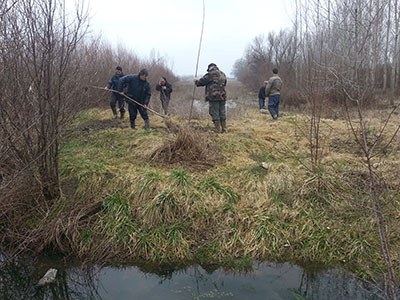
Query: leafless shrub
x=39 y=43
x=47 y=61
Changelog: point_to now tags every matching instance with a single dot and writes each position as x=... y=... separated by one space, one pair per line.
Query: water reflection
x=18 y=280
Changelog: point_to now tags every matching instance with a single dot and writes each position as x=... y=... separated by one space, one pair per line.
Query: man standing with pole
x=138 y=88
x=215 y=82
x=165 y=89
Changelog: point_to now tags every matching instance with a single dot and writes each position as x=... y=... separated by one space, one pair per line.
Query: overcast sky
x=172 y=28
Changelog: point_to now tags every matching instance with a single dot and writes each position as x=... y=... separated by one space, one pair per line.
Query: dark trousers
x=117 y=99
x=217 y=110
x=133 y=108
x=261 y=103
x=165 y=104
x=273 y=105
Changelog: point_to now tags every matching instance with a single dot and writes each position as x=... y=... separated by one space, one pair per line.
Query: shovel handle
x=129 y=98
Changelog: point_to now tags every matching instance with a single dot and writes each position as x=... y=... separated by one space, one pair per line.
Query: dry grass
x=137 y=197
x=188 y=147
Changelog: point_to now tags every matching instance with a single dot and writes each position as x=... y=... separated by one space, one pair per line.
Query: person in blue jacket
x=137 y=88
x=115 y=97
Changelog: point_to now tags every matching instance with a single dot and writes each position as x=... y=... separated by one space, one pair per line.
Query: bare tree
x=345 y=54
x=396 y=51
x=39 y=44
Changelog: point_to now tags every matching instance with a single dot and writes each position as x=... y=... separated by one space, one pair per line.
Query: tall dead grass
x=188 y=147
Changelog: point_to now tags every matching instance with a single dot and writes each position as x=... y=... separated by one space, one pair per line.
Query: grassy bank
x=121 y=202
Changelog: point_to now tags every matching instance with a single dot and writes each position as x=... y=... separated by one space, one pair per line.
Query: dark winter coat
x=137 y=89
x=164 y=94
x=114 y=82
x=215 y=82
x=261 y=92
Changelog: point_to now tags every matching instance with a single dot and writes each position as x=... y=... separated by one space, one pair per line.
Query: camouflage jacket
x=274 y=86
x=215 y=82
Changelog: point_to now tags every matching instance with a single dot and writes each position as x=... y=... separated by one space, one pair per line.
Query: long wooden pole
x=130 y=99
x=198 y=58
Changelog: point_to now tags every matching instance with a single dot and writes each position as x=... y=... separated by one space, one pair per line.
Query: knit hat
x=144 y=72
x=211 y=65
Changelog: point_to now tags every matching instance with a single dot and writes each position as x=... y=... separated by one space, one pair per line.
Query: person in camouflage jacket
x=215 y=82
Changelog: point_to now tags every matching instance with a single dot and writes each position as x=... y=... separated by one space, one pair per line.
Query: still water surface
x=264 y=281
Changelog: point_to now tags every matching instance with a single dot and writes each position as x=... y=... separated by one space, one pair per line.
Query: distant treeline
x=330 y=44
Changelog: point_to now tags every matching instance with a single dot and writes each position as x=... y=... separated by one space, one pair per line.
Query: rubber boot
x=217 y=125
x=122 y=115
x=133 y=125
x=223 y=125
x=147 y=124
x=114 y=110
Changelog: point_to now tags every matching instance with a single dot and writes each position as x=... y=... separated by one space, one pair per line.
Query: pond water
x=18 y=281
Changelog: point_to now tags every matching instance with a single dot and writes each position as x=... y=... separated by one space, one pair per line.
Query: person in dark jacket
x=165 y=89
x=261 y=96
x=138 y=88
x=115 y=97
x=215 y=82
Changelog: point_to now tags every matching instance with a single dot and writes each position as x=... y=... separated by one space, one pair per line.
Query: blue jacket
x=114 y=82
x=137 y=89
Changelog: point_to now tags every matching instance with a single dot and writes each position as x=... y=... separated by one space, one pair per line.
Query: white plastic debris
x=49 y=277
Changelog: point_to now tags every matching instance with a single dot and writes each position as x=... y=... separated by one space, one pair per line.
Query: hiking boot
x=223 y=125
x=147 y=124
x=114 y=111
x=217 y=125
